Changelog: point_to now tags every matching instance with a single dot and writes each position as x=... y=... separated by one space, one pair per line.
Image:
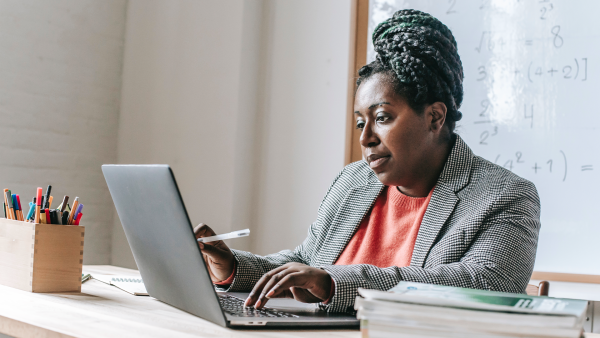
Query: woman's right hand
x=217 y=255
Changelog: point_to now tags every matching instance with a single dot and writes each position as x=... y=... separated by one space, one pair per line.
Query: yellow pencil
x=50 y=203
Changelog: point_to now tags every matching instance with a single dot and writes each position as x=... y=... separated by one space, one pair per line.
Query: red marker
x=78 y=218
x=20 y=209
x=48 y=219
x=38 y=205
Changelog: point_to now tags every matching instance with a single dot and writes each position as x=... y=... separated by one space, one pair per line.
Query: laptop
x=165 y=249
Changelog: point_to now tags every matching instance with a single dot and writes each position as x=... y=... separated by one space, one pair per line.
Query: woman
x=420 y=207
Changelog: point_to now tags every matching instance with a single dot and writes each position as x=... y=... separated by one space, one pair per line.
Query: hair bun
x=422 y=52
x=458 y=116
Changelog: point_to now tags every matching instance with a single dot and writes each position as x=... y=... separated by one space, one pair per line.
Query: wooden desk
x=101 y=310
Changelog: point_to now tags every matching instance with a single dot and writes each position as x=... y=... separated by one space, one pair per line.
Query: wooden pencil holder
x=41 y=257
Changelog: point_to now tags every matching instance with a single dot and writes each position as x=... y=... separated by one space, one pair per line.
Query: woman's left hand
x=292 y=280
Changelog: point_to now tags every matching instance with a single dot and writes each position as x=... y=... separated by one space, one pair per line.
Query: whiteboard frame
x=359 y=30
x=358 y=58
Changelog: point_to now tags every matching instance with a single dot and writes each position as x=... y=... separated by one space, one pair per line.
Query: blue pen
x=79 y=208
x=15 y=206
x=31 y=210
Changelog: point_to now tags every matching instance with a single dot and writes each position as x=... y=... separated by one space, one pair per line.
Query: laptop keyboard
x=235 y=306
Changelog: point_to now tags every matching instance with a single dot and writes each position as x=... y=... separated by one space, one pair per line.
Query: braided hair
x=418 y=54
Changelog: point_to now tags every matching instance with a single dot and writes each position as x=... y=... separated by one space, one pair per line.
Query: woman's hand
x=217 y=255
x=292 y=280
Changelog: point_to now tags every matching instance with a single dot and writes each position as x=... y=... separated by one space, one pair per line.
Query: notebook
x=129 y=284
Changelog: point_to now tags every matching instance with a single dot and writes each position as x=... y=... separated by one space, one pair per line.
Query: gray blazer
x=480 y=231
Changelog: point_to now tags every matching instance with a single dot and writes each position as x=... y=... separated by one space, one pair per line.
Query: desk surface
x=101 y=310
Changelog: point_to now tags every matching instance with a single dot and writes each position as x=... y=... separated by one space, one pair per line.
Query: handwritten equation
x=535 y=71
x=557 y=166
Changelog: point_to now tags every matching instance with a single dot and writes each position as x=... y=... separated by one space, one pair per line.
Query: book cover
x=437 y=295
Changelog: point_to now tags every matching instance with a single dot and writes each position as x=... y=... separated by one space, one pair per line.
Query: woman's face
x=395 y=140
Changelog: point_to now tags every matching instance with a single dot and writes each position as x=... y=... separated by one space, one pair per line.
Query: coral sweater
x=387 y=235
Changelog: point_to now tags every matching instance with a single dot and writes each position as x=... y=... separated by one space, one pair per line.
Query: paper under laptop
x=129 y=284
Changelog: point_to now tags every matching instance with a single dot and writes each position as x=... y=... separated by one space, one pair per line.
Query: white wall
x=60 y=76
x=247 y=101
x=305 y=116
x=180 y=99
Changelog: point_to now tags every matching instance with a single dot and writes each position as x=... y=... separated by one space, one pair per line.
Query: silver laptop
x=165 y=249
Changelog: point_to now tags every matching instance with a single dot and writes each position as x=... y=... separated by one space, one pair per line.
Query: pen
x=79 y=208
x=8 y=216
x=63 y=205
x=47 y=198
x=65 y=218
x=31 y=210
x=234 y=234
x=78 y=218
x=32 y=204
x=6 y=205
x=11 y=208
x=21 y=217
x=20 y=209
x=15 y=206
x=48 y=219
x=54 y=216
x=38 y=205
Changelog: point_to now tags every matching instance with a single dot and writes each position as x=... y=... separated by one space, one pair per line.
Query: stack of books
x=424 y=310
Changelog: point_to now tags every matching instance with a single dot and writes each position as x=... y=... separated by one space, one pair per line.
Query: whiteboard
x=530 y=105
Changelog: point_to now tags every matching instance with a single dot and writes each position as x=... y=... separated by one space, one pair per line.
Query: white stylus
x=234 y=234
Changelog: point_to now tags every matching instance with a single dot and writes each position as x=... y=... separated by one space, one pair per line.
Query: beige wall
x=60 y=86
x=246 y=100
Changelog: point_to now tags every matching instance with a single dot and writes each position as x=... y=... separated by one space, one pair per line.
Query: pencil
x=50 y=203
x=73 y=209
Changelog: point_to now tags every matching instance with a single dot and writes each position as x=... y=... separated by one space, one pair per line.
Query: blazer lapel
x=443 y=201
x=454 y=177
x=355 y=206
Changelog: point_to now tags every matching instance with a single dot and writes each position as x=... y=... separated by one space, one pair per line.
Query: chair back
x=542 y=289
